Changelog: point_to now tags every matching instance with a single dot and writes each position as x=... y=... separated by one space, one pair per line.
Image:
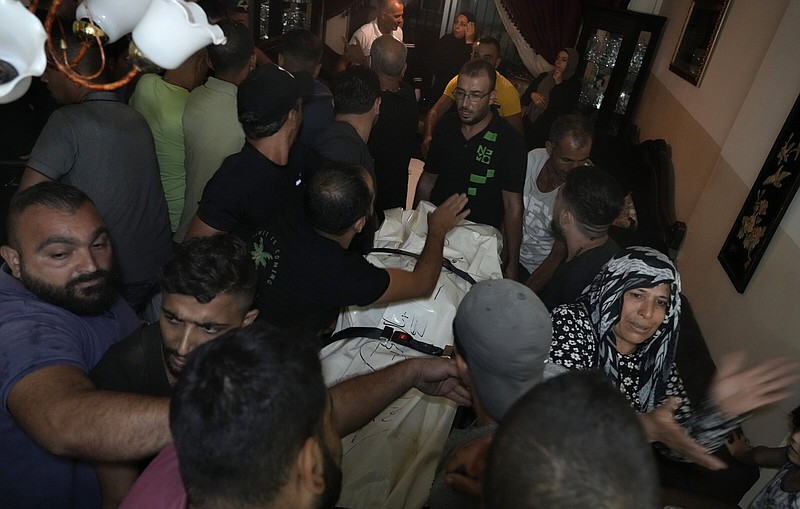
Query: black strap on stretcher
x=447 y=264
x=389 y=333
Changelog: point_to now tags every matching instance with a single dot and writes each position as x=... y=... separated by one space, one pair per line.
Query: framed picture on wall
x=697 y=40
x=765 y=206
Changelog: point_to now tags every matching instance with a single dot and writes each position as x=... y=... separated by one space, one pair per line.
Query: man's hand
x=539 y=100
x=448 y=214
x=738 y=445
x=467 y=466
x=660 y=426
x=736 y=391
x=439 y=377
x=470 y=34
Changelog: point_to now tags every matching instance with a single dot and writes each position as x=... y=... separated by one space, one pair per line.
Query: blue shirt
x=35 y=334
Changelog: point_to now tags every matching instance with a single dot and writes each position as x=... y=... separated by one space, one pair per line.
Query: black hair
x=242 y=410
x=336 y=196
x=255 y=128
x=467 y=14
x=355 y=90
x=50 y=194
x=205 y=267
x=571 y=442
x=235 y=54
x=573 y=124
x=479 y=67
x=89 y=58
x=594 y=197
x=301 y=50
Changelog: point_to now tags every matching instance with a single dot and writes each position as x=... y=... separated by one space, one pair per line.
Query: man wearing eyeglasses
x=507 y=100
x=477 y=152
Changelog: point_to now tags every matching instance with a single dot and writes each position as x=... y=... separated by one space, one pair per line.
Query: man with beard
x=207 y=289
x=477 y=152
x=59 y=313
x=585 y=207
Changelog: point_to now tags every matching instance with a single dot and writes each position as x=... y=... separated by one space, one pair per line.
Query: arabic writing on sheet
x=409 y=322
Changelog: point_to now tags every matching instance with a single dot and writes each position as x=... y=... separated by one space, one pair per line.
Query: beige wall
x=721 y=133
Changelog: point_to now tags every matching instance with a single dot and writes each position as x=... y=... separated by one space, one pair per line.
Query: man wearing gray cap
x=250 y=184
x=502 y=338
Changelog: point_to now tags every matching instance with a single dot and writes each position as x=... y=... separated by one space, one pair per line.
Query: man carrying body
x=502 y=339
x=568 y=148
x=306 y=271
x=388 y=22
x=59 y=314
x=586 y=205
x=250 y=184
x=507 y=98
x=105 y=148
x=207 y=289
x=211 y=128
x=393 y=138
x=478 y=153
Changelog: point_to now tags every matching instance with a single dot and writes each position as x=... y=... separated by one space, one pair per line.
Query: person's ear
x=497 y=62
x=377 y=105
x=250 y=317
x=403 y=72
x=493 y=95
x=566 y=217
x=359 y=225
x=11 y=256
x=549 y=147
x=311 y=467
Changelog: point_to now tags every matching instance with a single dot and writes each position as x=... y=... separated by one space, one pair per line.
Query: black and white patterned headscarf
x=635 y=267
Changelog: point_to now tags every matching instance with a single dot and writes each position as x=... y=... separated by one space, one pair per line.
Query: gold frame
x=698 y=37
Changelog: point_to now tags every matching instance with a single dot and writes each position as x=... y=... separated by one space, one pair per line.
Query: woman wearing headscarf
x=550 y=95
x=449 y=53
x=626 y=324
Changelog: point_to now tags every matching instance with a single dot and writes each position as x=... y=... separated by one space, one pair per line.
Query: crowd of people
x=175 y=261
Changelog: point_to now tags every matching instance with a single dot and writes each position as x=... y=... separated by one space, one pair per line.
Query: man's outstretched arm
x=62 y=410
x=420 y=282
x=358 y=400
x=442 y=106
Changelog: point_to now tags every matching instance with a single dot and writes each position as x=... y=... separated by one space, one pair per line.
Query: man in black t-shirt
x=393 y=138
x=477 y=152
x=250 y=184
x=586 y=205
x=207 y=289
x=306 y=271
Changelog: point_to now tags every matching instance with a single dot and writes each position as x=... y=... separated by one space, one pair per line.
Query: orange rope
x=65 y=67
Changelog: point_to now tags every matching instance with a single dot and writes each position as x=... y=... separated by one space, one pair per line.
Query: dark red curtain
x=549 y=25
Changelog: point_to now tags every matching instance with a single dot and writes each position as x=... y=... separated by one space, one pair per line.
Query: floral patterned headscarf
x=635 y=267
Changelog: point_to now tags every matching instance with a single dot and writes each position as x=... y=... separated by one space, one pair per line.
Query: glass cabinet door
x=276 y=17
x=616 y=48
